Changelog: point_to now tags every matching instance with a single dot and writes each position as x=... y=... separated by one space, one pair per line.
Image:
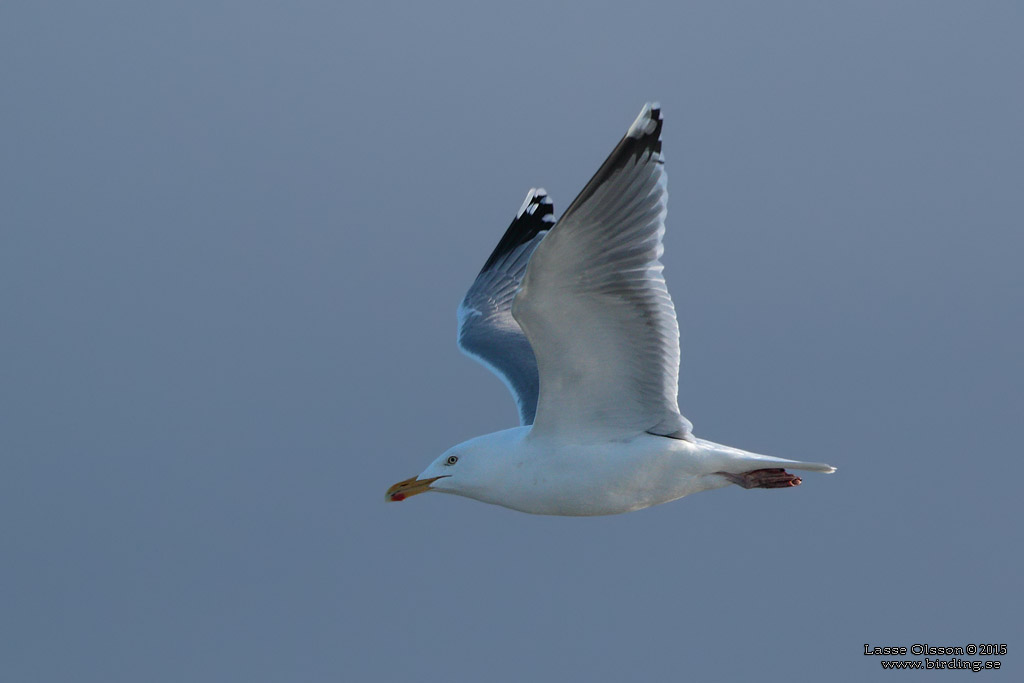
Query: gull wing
x=487 y=331
x=595 y=307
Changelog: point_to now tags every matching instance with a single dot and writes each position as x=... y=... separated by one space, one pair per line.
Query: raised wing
x=487 y=330
x=595 y=307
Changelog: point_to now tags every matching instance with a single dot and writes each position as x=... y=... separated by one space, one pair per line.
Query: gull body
x=575 y=317
x=549 y=476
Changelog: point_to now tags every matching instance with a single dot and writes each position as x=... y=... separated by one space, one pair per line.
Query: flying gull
x=575 y=317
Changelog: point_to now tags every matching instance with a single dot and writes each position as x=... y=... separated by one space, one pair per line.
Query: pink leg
x=776 y=478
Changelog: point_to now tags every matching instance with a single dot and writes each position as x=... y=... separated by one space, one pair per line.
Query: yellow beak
x=410 y=487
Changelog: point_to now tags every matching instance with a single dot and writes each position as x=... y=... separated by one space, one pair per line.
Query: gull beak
x=410 y=487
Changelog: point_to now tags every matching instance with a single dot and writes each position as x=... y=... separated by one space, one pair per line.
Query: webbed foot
x=775 y=478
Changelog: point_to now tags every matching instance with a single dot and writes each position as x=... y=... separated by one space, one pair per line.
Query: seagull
x=576 y=319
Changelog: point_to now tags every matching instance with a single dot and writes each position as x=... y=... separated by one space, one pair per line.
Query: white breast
x=552 y=477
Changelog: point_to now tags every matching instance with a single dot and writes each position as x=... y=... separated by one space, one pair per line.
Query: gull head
x=452 y=472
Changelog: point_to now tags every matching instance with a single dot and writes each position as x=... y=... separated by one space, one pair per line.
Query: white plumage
x=576 y=319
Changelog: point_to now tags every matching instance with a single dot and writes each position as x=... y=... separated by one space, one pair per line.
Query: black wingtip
x=537 y=204
x=536 y=215
x=643 y=139
x=645 y=133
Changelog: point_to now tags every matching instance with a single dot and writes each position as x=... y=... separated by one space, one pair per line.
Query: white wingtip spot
x=645 y=123
x=526 y=203
x=536 y=196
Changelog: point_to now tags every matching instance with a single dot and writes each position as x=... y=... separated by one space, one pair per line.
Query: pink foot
x=776 y=478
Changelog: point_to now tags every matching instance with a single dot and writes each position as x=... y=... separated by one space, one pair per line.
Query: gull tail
x=798 y=465
x=753 y=470
x=737 y=461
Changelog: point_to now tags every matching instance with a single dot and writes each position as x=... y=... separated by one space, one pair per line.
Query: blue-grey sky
x=232 y=240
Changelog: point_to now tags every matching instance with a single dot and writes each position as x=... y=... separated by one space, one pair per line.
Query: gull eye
x=452 y=459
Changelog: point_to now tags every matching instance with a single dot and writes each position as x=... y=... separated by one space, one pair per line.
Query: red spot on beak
x=397 y=496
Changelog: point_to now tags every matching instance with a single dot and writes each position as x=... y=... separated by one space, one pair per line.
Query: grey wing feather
x=595 y=306
x=487 y=330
